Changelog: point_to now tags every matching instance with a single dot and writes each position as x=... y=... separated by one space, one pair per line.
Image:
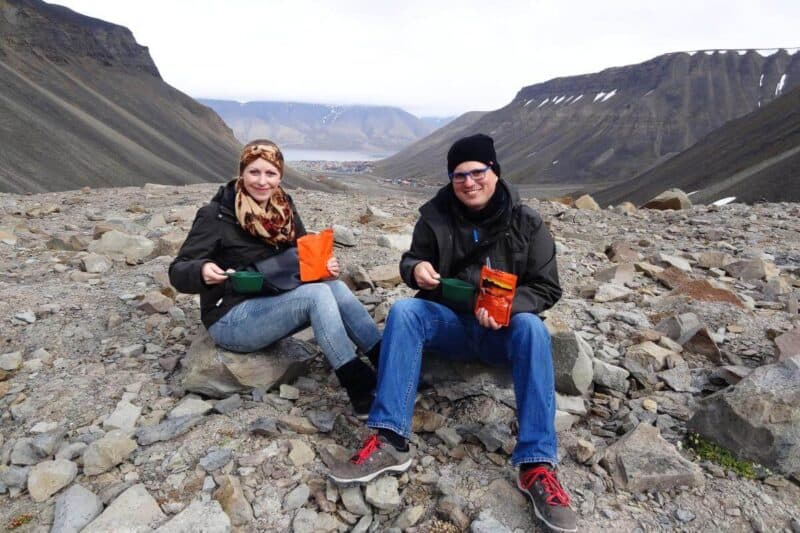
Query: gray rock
x=121 y=246
x=678 y=379
x=362 y=526
x=216 y=459
x=395 y=241
x=495 y=436
x=301 y=453
x=166 y=430
x=228 y=405
x=132 y=350
x=353 y=500
x=26 y=316
x=343 y=235
x=486 y=523
x=11 y=361
x=323 y=420
x=409 y=517
x=49 y=477
x=123 y=418
x=287 y=392
x=756 y=419
x=218 y=373
x=233 y=502
x=564 y=421
x=191 y=405
x=47 y=443
x=71 y=451
x=642 y=461
x=684 y=515
x=199 y=517
x=680 y=328
x=308 y=521
x=95 y=264
x=134 y=511
x=610 y=376
x=155 y=302
x=449 y=436
x=609 y=292
x=25 y=453
x=383 y=493
x=75 y=508
x=296 y=498
x=572 y=362
x=15 y=476
x=634 y=318
x=264 y=427
x=571 y=404
x=678 y=262
x=107 y=452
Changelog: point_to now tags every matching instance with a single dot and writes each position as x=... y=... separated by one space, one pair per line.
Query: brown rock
x=586 y=202
x=674 y=199
x=788 y=344
x=425 y=420
x=231 y=498
x=386 y=276
x=622 y=252
x=619 y=274
x=702 y=343
x=155 y=302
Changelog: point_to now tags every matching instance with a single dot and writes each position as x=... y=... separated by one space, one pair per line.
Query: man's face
x=474 y=191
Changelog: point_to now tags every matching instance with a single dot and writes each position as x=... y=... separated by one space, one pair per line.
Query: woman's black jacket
x=216 y=236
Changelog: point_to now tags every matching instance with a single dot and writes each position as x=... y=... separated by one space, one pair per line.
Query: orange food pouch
x=314 y=251
x=496 y=294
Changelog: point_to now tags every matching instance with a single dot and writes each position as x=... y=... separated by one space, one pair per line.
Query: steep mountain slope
x=81 y=103
x=752 y=158
x=597 y=129
x=299 y=125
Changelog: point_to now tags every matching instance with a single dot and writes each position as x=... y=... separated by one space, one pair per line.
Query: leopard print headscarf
x=274 y=223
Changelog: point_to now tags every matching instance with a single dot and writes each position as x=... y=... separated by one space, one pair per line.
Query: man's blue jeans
x=333 y=311
x=415 y=325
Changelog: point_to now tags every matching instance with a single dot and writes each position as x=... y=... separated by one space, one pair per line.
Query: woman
x=252 y=224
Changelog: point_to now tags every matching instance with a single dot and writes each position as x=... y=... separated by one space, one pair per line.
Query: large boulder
x=122 y=246
x=674 y=199
x=758 y=418
x=218 y=373
x=642 y=461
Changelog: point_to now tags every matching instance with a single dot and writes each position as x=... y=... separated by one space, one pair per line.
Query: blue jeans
x=335 y=314
x=415 y=325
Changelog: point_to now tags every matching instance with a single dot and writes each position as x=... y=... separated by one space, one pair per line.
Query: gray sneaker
x=373 y=459
x=550 y=501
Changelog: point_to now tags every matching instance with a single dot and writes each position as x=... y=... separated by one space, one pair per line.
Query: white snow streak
x=724 y=201
x=578 y=98
x=761 y=81
x=609 y=95
x=528 y=102
x=599 y=96
x=559 y=99
x=543 y=102
x=781 y=83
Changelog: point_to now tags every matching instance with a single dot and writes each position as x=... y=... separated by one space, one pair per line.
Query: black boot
x=358 y=379
x=374 y=355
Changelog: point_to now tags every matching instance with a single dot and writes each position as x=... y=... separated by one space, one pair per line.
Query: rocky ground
x=116 y=415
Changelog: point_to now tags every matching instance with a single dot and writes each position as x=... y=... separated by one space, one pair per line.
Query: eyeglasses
x=477 y=175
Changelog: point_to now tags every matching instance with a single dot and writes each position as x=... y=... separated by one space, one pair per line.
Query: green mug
x=246 y=281
x=457 y=291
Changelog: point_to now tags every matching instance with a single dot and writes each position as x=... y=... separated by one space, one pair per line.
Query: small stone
x=649 y=405
x=449 y=436
x=191 y=405
x=298 y=424
x=132 y=350
x=155 y=302
x=133 y=510
x=11 y=361
x=107 y=452
x=230 y=496
x=289 y=393
x=486 y=523
x=264 y=427
x=216 y=459
x=166 y=430
x=301 y=453
x=48 y=477
x=353 y=500
x=584 y=451
x=383 y=493
x=296 y=498
x=343 y=235
x=199 y=516
x=95 y=264
x=409 y=517
x=26 y=316
x=124 y=417
x=228 y=405
x=76 y=507
x=323 y=420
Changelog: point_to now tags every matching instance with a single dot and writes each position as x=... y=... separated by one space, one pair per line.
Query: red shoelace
x=370 y=445
x=556 y=495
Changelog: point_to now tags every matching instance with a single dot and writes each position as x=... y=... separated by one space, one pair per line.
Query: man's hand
x=333 y=267
x=485 y=320
x=426 y=276
x=213 y=274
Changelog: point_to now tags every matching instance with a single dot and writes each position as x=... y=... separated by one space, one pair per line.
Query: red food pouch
x=496 y=294
x=314 y=251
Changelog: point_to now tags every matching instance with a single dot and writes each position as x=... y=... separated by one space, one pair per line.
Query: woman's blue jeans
x=415 y=325
x=335 y=314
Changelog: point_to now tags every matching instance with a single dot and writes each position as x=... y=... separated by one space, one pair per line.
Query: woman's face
x=261 y=178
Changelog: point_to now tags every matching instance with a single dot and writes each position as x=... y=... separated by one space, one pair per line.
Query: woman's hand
x=485 y=320
x=212 y=274
x=426 y=276
x=333 y=267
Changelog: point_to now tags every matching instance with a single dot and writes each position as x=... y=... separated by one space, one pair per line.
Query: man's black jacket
x=517 y=241
x=217 y=236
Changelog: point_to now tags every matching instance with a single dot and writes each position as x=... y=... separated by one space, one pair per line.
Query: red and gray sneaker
x=550 y=500
x=374 y=458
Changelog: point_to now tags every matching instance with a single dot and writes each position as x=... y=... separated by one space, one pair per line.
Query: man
x=475 y=220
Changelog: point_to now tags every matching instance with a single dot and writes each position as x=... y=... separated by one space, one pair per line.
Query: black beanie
x=478 y=147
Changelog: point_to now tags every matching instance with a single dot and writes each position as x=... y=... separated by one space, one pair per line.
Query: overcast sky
x=433 y=57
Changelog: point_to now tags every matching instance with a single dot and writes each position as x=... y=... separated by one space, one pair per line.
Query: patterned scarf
x=274 y=223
